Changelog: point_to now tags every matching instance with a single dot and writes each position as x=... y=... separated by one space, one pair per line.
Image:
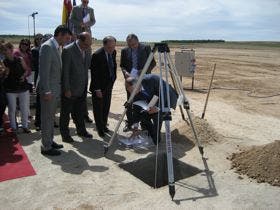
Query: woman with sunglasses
x=24 y=51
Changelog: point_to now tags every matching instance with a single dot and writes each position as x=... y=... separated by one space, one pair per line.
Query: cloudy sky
x=155 y=20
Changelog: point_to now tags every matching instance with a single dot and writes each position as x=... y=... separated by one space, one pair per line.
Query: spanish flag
x=67 y=8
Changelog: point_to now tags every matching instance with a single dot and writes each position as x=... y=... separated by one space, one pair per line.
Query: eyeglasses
x=24 y=44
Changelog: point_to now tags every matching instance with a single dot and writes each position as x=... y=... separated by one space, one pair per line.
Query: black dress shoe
x=88 y=120
x=68 y=139
x=26 y=130
x=106 y=130
x=101 y=133
x=127 y=128
x=57 y=146
x=85 y=135
x=51 y=152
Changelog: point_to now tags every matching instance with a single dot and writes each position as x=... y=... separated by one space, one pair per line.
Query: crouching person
x=150 y=119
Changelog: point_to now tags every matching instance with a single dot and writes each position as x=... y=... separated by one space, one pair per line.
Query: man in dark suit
x=103 y=75
x=133 y=60
x=82 y=17
x=75 y=64
x=150 y=119
x=50 y=69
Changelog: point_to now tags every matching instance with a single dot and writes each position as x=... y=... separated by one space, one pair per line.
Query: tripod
x=169 y=67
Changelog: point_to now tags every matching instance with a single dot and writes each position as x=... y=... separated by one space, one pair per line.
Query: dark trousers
x=71 y=106
x=129 y=112
x=151 y=122
x=84 y=105
x=3 y=104
x=101 y=108
x=37 y=122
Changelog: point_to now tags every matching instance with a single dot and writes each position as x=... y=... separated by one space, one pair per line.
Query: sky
x=155 y=20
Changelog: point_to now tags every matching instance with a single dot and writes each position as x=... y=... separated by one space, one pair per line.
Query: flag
x=67 y=8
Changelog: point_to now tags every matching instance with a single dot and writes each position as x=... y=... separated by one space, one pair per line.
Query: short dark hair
x=24 y=41
x=108 y=38
x=37 y=39
x=46 y=37
x=63 y=30
x=131 y=36
x=82 y=36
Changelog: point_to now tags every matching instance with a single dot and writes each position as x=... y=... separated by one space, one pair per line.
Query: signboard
x=185 y=63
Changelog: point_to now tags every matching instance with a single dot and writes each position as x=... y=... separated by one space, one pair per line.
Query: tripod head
x=161 y=47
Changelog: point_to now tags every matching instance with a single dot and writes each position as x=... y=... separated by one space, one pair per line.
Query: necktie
x=134 y=59
x=84 y=12
x=111 y=67
x=83 y=55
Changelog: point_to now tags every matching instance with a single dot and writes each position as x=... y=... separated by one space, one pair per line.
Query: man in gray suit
x=50 y=68
x=133 y=60
x=77 y=17
x=82 y=17
x=76 y=60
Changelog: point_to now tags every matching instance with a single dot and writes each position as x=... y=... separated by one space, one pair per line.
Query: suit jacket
x=100 y=75
x=75 y=70
x=50 y=65
x=76 y=18
x=151 y=83
x=143 y=53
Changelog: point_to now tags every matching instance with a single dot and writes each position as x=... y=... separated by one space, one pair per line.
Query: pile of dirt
x=205 y=132
x=261 y=163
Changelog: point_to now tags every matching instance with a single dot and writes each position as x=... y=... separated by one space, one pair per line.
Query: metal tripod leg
x=173 y=82
x=165 y=109
x=179 y=87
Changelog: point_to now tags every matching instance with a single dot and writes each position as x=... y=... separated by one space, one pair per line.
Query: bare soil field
x=243 y=111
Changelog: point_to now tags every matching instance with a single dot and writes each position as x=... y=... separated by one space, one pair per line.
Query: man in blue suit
x=150 y=119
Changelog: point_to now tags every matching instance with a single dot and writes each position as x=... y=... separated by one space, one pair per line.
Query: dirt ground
x=242 y=112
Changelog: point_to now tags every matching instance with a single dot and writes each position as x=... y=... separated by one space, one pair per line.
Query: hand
x=68 y=94
x=83 y=25
x=126 y=75
x=135 y=132
x=153 y=110
x=98 y=94
x=47 y=97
